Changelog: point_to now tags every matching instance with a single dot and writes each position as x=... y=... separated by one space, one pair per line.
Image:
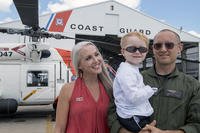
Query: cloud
x=8 y=19
x=5 y=5
x=194 y=33
x=45 y=12
x=131 y=3
x=68 y=4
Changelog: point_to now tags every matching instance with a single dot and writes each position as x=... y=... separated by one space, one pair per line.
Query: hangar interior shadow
x=109 y=46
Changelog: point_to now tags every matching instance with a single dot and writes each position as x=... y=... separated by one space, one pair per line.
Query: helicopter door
x=39 y=84
x=9 y=81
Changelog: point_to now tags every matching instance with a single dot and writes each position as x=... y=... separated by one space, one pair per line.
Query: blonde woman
x=83 y=103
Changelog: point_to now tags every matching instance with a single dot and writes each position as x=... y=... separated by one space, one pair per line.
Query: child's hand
x=154 y=89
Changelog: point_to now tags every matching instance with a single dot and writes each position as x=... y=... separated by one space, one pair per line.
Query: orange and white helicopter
x=31 y=73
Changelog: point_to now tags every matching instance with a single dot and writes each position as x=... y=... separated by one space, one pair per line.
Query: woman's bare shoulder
x=67 y=89
x=68 y=86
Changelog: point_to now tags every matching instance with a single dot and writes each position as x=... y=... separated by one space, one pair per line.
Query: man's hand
x=123 y=130
x=152 y=129
x=145 y=130
x=153 y=123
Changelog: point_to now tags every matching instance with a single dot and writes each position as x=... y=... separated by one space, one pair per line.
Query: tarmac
x=29 y=119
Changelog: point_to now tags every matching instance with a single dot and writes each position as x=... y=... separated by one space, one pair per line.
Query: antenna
x=181 y=28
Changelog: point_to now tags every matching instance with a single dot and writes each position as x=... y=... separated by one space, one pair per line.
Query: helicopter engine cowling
x=45 y=54
x=8 y=106
x=38 y=51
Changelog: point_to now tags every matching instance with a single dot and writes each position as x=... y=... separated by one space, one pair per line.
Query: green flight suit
x=176 y=103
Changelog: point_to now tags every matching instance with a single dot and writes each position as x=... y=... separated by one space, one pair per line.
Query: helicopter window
x=37 y=78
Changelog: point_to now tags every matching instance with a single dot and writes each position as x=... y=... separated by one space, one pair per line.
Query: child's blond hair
x=136 y=34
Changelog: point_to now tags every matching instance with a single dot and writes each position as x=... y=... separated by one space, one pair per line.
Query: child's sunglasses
x=133 y=49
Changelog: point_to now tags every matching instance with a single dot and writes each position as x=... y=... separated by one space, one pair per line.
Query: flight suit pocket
x=177 y=107
x=174 y=93
x=176 y=99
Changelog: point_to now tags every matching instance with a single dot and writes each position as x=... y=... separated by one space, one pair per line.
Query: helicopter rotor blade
x=45 y=34
x=28 y=12
x=12 y=31
x=30 y=32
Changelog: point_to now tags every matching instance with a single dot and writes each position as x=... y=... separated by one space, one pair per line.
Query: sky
x=177 y=13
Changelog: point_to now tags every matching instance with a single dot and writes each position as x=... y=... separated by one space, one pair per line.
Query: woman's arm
x=63 y=108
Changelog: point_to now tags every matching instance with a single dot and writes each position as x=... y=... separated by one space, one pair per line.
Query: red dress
x=85 y=114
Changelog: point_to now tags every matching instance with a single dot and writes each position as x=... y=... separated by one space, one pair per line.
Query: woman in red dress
x=83 y=103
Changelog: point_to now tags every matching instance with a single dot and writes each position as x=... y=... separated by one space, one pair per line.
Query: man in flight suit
x=177 y=101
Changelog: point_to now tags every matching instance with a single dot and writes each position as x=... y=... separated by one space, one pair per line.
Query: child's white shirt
x=131 y=95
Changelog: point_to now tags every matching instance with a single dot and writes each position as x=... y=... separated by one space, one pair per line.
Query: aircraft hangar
x=105 y=23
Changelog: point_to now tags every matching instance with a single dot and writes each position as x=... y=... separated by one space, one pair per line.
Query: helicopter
x=31 y=73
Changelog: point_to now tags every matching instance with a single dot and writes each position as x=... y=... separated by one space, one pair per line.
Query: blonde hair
x=103 y=76
x=136 y=34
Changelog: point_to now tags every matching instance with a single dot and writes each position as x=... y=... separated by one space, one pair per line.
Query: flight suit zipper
x=161 y=86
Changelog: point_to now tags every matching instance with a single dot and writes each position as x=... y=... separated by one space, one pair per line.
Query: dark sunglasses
x=168 y=45
x=133 y=49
